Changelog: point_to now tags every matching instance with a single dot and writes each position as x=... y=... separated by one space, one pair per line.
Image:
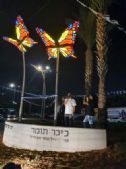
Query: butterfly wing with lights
x=49 y=43
x=10 y=40
x=23 y=38
x=23 y=34
x=67 y=40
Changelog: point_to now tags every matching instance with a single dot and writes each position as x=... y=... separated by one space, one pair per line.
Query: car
x=11 y=114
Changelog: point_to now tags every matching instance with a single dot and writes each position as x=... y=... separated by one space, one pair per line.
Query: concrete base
x=49 y=138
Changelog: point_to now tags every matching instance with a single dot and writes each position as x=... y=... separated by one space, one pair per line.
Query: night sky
x=53 y=16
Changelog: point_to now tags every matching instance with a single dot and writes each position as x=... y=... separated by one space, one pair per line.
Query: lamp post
x=56 y=87
x=12 y=87
x=43 y=71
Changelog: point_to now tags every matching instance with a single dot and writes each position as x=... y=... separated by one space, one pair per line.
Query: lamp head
x=47 y=68
x=11 y=85
x=39 y=68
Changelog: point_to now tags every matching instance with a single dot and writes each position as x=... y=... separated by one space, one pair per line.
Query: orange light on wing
x=46 y=38
x=15 y=43
x=69 y=35
x=21 y=30
x=67 y=51
x=23 y=38
x=28 y=42
x=65 y=42
x=52 y=53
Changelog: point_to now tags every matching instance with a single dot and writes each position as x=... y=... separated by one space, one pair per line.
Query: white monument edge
x=50 y=138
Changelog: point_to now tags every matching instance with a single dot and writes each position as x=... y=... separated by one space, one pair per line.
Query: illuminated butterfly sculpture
x=64 y=44
x=23 y=40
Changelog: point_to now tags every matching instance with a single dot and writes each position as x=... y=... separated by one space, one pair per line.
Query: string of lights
x=117 y=92
x=105 y=17
x=17 y=91
x=32 y=103
x=35 y=96
x=30 y=94
x=39 y=105
x=40 y=97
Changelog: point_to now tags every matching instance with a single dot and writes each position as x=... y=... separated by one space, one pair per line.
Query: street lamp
x=12 y=87
x=43 y=71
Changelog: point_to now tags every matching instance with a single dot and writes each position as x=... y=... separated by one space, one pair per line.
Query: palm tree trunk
x=88 y=70
x=101 y=93
x=102 y=113
x=101 y=64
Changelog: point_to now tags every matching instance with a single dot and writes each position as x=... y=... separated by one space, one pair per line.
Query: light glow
x=47 y=68
x=39 y=68
x=11 y=85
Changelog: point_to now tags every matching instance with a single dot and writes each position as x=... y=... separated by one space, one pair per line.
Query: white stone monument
x=49 y=138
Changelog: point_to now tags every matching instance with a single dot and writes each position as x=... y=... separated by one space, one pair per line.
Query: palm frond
x=101 y=5
x=87 y=26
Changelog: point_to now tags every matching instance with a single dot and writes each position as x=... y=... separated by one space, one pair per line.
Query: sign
x=117 y=114
x=49 y=138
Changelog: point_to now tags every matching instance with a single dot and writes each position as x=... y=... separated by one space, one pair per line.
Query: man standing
x=70 y=105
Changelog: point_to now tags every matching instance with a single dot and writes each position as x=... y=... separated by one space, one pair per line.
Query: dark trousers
x=60 y=119
x=68 y=120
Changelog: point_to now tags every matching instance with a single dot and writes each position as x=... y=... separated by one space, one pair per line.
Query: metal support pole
x=14 y=94
x=56 y=88
x=23 y=87
x=43 y=99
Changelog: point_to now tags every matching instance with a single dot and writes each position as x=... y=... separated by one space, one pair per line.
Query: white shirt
x=69 y=105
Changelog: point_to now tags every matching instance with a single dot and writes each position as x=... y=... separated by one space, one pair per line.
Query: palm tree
x=100 y=7
x=101 y=54
x=101 y=64
x=87 y=33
